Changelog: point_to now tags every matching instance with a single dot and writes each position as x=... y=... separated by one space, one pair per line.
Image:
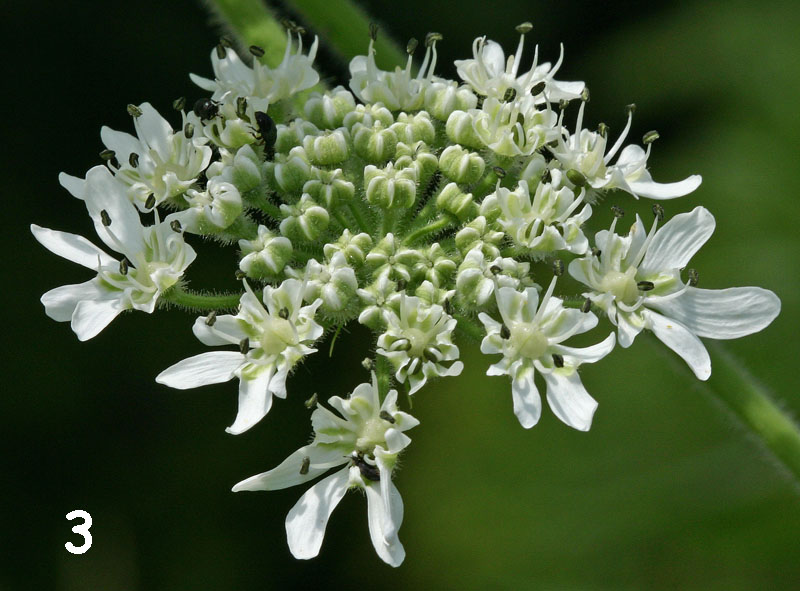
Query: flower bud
x=430 y=294
x=246 y=169
x=390 y=187
x=461 y=166
x=327 y=149
x=329 y=187
x=417 y=156
x=444 y=97
x=266 y=256
x=414 y=128
x=478 y=234
x=354 y=247
x=327 y=111
x=460 y=130
x=289 y=172
x=292 y=135
x=211 y=210
x=304 y=220
x=367 y=115
x=374 y=144
x=452 y=200
x=334 y=283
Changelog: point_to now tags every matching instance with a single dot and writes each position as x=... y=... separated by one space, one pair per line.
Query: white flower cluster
x=423 y=208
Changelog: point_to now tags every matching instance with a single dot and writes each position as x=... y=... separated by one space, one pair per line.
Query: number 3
x=82 y=529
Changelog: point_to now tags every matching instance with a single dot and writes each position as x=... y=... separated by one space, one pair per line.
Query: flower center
x=529 y=341
x=621 y=285
x=372 y=433
x=418 y=341
x=278 y=334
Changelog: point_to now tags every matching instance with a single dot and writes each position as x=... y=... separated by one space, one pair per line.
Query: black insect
x=368 y=471
x=268 y=131
x=205 y=108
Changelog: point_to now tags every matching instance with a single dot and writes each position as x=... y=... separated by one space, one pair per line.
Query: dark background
x=665 y=491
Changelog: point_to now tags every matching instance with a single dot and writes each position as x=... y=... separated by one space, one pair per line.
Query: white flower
x=234 y=78
x=491 y=75
x=585 y=152
x=154 y=259
x=544 y=223
x=397 y=90
x=636 y=280
x=271 y=341
x=374 y=300
x=529 y=339
x=417 y=341
x=211 y=210
x=366 y=439
x=158 y=161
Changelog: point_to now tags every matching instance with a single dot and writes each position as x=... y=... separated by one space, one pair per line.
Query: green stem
x=469 y=327
x=360 y=219
x=485 y=186
x=383 y=371
x=200 y=302
x=755 y=407
x=434 y=227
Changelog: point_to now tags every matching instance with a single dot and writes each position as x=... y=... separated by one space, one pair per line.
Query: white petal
x=207 y=368
x=722 y=313
x=569 y=400
x=384 y=522
x=76 y=186
x=306 y=522
x=527 y=402
x=72 y=247
x=154 y=130
x=676 y=242
x=654 y=190
x=287 y=473
x=225 y=331
x=60 y=303
x=92 y=316
x=681 y=340
x=589 y=354
x=105 y=193
x=255 y=400
x=123 y=144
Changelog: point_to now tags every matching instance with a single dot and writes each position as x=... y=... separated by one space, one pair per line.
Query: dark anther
x=150 y=202
x=558 y=360
x=504 y=332
x=311 y=402
x=585 y=94
x=411 y=46
x=645 y=285
x=546 y=176
x=240 y=274
x=304 y=466
x=617 y=211
x=373 y=31
x=368 y=471
x=401 y=284
x=596 y=251
x=241 y=107
x=123 y=266
x=225 y=42
x=576 y=177
x=211 y=318
x=244 y=346
x=221 y=51
x=538 y=88
x=558 y=267
x=694 y=277
x=499 y=171
x=432 y=38
x=133 y=160
x=523 y=28
x=658 y=211
x=108 y=154
x=205 y=108
x=134 y=111
x=495 y=269
x=386 y=416
x=510 y=95
x=563 y=104
x=630 y=109
x=176 y=226
x=188 y=131
x=179 y=103
x=650 y=137
x=586 y=306
x=602 y=129
x=256 y=50
x=105 y=218
x=430 y=355
x=284 y=313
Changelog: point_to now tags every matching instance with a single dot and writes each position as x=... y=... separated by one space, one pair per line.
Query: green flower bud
x=329 y=187
x=414 y=128
x=442 y=98
x=418 y=156
x=327 y=111
x=374 y=144
x=266 y=256
x=354 y=247
x=246 y=169
x=211 y=210
x=435 y=266
x=304 y=220
x=489 y=208
x=390 y=187
x=461 y=166
x=367 y=115
x=534 y=170
x=289 y=172
x=453 y=200
x=460 y=130
x=328 y=148
x=479 y=234
x=334 y=283
x=290 y=136
x=431 y=294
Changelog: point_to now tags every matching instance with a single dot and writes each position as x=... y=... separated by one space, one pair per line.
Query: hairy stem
x=198 y=301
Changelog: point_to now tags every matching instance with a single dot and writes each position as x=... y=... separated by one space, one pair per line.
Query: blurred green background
x=665 y=492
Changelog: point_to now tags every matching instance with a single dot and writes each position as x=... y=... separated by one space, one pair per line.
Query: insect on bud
x=576 y=177
x=134 y=111
x=650 y=137
x=150 y=202
x=645 y=285
x=411 y=46
x=211 y=318
x=256 y=51
x=617 y=211
x=305 y=465
x=284 y=313
x=105 y=218
x=311 y=402
x=386 y=416
x=523 y=28
x=658 y=211
x=558 y=360
x=244 y=346
x=538 y=88
x=504 y=332
x=558 y=267
x=133 y=160
x=586 y=306
x=179 y=103
x=694 y=277
x=176 y=226
x=123 y=266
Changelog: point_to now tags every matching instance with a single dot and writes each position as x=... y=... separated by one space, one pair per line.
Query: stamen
x=244 y=346
x=505 y=333
x=305 y=465
x=558 y=267
x=311 y=402
x=558 y=360
x=618 y=144
x=256 y=51
x=694 y=277
x=179 y=103
x=211 y=318
x=586 y=306
x=545 y=299
x=134 y=111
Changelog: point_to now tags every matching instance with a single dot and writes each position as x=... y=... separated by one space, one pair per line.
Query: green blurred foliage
x=665 y=491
